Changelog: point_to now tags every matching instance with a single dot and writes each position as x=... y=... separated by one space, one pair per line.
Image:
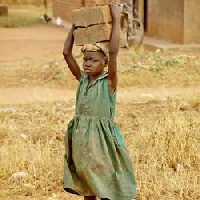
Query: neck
x=92 y=78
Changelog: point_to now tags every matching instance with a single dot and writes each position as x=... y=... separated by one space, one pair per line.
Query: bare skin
x=113 y=52
x=95 y=62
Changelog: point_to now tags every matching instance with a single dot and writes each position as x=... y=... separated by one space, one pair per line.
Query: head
x=94 y=62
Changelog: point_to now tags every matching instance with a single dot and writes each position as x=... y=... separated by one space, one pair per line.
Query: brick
x=92 y=34
x=90 y=3
x=85 y=17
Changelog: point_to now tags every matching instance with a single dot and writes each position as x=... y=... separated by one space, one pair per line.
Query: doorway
x=145 y=22
x=142 y=8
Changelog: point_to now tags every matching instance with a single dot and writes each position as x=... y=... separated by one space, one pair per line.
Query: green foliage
x=172 y=62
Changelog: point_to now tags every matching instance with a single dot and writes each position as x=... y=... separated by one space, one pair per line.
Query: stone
x=19 y=175
x=92 y=34
x=85 y=17
x=3 y=10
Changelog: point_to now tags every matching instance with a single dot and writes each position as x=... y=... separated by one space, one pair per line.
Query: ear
x=106 y=61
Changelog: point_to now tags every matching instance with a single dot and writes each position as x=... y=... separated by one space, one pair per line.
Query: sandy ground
x=39 y=94
x=27 y=45
x=42 y=42
x=31 y=43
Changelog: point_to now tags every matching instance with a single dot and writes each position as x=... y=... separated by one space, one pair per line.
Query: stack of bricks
x=94 y=25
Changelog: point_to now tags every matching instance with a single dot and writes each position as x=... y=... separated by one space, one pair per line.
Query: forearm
x=67 y=53
x=68 y=45
x=115 y=37
x=72 y=65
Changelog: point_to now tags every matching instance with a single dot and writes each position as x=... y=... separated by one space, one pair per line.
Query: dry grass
x=35 y=2
x=157 y=68
x=160 y=135
x=142 y=69
x=24 y=15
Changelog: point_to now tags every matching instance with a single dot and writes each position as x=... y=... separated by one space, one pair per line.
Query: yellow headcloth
x=103 y=46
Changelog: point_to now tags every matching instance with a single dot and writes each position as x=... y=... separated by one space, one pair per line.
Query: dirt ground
x=39 y=43
x=29 y=45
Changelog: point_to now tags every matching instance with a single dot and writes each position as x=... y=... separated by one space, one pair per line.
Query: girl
x=97 y=163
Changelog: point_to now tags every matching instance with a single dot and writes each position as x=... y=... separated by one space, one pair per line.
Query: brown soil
x=31 y=43
x=43 y=42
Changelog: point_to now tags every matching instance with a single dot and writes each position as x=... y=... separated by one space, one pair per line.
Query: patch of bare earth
x=146 y=111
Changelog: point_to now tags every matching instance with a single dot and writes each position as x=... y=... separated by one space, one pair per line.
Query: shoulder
x=105 y=80
x=104 y=75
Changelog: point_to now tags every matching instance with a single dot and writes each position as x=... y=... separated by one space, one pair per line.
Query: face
x=94 y=62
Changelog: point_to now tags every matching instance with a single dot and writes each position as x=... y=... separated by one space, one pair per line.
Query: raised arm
x=67 y=53
x=114 y=47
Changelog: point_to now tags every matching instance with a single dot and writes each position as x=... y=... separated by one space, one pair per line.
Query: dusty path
x=28 y=45
x=31 y=43
x=43 y=42
x=38 y=94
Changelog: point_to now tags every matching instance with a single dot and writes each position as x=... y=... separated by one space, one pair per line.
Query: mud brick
x=92 y=34
x=104 y=2
x=85 y=17
x=3 y=10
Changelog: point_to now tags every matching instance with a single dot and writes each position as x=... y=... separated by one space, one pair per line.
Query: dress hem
x=71 y=191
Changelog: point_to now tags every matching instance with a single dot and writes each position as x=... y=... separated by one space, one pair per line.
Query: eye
x=95 y=60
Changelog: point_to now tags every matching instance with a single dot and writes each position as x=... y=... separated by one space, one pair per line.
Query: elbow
x=67 y=55
x=113 y=52
x=114 y=49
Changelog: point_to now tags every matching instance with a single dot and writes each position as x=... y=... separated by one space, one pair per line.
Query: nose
x=88 y=63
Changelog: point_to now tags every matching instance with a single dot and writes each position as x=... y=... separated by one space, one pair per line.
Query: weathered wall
x=63 y=8
x=166 y=20
x=192 y=21
x=176 y=21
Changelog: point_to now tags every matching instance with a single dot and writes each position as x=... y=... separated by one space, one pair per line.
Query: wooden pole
x=45 y=6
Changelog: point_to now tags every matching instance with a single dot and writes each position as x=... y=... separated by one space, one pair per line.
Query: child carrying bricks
x=97 y=163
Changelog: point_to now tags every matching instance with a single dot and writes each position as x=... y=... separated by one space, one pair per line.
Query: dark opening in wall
x=146 y=15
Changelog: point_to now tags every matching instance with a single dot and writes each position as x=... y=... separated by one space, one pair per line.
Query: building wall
x=192 y=21
x=176 y=21
x=166 y=20
x=63 y=8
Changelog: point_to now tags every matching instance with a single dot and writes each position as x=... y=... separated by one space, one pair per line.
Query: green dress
x=96 y=161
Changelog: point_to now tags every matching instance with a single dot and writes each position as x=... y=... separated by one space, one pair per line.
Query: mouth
x=87 y=70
